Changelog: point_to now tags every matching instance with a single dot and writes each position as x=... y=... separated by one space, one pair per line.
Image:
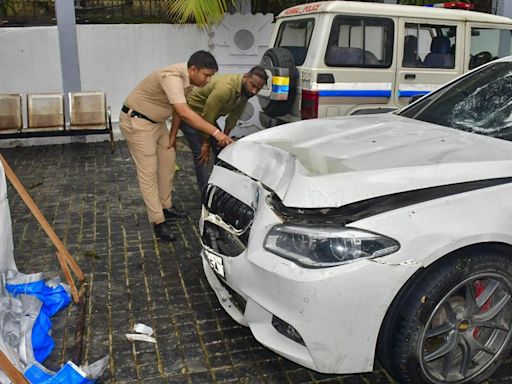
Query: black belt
x=133 y=113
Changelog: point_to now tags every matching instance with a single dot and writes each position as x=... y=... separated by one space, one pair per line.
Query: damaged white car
x=340 y=241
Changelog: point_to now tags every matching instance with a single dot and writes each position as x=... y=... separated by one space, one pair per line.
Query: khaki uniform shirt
x=155 y=94
x=221 y=96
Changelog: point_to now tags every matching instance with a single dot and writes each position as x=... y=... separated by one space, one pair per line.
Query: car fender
x=433 y=229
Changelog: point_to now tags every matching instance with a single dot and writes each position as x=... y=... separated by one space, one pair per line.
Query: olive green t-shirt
x=220 y=97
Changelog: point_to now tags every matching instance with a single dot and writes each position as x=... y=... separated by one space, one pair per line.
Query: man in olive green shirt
x=225 y=95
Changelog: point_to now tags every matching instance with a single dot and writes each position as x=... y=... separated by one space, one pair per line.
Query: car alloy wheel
x=468 y=329
x=451 y=323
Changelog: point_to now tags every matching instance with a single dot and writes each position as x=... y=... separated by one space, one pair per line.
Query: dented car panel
x=309 y=238
x=369 y=156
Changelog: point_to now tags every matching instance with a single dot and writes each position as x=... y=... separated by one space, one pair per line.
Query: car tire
x=279 y=58
x=452 y=322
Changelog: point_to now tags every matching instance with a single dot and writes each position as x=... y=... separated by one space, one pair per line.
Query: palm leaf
x=204 y=12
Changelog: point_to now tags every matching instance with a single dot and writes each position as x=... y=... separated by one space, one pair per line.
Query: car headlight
x=326 y=246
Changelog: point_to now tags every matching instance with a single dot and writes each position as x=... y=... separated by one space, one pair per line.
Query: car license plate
x=215 y=262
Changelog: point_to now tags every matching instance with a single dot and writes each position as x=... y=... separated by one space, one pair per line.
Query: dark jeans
x=195 y=140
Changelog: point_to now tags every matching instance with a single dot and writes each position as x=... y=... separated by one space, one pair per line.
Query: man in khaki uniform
x=159 y=96
x=226 y=95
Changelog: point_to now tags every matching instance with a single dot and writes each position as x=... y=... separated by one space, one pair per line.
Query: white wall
x=503 y=7
x=113 y=58
x=116 y=57
x=29 y=60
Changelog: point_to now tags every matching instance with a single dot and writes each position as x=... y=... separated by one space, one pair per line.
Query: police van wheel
x=279 y=58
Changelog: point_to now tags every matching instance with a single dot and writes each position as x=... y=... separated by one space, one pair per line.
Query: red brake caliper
x=479 y=288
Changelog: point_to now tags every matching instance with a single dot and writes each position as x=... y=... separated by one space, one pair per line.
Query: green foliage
x=203 y=12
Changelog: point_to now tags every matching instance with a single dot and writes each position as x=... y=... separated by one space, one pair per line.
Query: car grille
x=231 y=210
x=221 y=241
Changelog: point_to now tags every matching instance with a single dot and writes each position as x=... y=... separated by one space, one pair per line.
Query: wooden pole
x=65 y=259
x=11 y=371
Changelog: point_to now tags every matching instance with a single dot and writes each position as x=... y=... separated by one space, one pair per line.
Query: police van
x=336 y=58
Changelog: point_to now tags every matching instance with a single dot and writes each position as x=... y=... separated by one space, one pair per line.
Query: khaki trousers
x=155 y=164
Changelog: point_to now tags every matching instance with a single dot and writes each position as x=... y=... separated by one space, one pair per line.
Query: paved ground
x=91 y=198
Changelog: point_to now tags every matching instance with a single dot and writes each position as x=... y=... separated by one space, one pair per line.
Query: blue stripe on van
x=356 y=93
x=411 y=93
x=280 y=88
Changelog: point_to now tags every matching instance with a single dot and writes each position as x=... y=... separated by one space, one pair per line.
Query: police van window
x=295 y=36
x=488 y=44
x=360 y=42
x=429 y=46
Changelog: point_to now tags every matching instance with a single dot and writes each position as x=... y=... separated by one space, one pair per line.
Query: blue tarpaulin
x=37 y=298
x=53 y=296
x=68 y=374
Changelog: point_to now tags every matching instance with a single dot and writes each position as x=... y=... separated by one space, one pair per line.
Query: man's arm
x=195 y=121
x=175 y=126
x=173 y=87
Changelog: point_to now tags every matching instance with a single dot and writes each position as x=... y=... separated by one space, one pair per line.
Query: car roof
x=357 y=8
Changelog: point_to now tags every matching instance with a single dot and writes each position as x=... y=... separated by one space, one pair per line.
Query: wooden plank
x=65 y=259
x=11 y=371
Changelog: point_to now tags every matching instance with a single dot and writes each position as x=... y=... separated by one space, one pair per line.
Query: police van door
x=358 y=72
x=430 y=53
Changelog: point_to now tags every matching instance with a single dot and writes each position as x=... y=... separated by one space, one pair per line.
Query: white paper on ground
x=140 y=337
x=143 y=328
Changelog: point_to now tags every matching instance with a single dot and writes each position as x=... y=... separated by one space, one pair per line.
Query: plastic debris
x=140 y=337
x=143 y=328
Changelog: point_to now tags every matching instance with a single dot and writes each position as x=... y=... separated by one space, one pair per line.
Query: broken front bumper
x=325 y=319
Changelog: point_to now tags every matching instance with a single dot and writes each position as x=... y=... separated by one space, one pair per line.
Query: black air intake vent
x=231 y=210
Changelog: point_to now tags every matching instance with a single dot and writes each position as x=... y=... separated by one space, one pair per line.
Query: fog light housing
x=287 y=330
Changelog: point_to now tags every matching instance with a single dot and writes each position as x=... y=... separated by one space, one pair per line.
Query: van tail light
x=309 y=105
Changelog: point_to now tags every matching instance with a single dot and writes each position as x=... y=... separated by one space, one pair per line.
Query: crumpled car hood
x=328 y=163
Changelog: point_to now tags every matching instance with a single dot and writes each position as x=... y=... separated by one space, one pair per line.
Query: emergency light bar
x=453 y=5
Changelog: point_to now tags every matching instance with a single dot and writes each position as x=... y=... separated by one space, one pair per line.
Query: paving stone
x=92 y=199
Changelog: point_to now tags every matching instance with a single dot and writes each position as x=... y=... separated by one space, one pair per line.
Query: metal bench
x=88 y=115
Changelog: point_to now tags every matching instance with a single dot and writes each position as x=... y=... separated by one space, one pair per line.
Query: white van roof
x=379 y=9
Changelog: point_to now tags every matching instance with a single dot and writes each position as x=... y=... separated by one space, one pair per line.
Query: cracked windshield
x=481 y=103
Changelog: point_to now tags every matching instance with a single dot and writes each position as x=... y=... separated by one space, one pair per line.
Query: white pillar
x=503 y=7
x=242 y=6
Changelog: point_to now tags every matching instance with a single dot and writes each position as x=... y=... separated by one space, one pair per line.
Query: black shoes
x=164 y=231
x=173 y=213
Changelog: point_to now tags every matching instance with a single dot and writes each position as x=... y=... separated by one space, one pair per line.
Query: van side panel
x=367 y=56
x=355 y=86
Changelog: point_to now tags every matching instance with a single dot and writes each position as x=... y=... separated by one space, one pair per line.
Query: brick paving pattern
x=91 y=198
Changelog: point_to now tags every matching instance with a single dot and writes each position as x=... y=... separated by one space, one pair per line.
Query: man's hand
x=204 y=156
x=222 y=138
x=172 y=140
